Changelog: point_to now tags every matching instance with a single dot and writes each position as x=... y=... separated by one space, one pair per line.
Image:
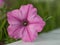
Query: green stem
x=3 y=24
x=5 y=33
x=1 y=28
x=46 y=19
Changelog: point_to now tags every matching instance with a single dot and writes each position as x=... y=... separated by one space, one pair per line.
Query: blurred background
x=49 y=10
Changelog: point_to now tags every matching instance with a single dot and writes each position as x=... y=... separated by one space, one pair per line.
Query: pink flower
x=25 y=23
x=1 y=3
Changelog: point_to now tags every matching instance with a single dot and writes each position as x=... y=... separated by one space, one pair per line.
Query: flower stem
x=1 y=31
x=48 y=18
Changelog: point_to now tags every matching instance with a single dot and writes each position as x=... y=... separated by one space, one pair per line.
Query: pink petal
x=15 y=31
x=29 y=35
x=35 y=19
x=13 y=17
x=32 y=11
x=25 y=10
x=38 y=21
x=37 y=27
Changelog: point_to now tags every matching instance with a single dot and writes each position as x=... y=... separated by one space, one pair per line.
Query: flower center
x=25 y=23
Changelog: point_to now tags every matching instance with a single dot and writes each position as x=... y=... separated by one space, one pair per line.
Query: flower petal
x=15 y=31
x=29 y=35
x=37 y=27
x=32 y=11
x=38 y=21
x=25 y=10
x=35 y=19
x=13 y=17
